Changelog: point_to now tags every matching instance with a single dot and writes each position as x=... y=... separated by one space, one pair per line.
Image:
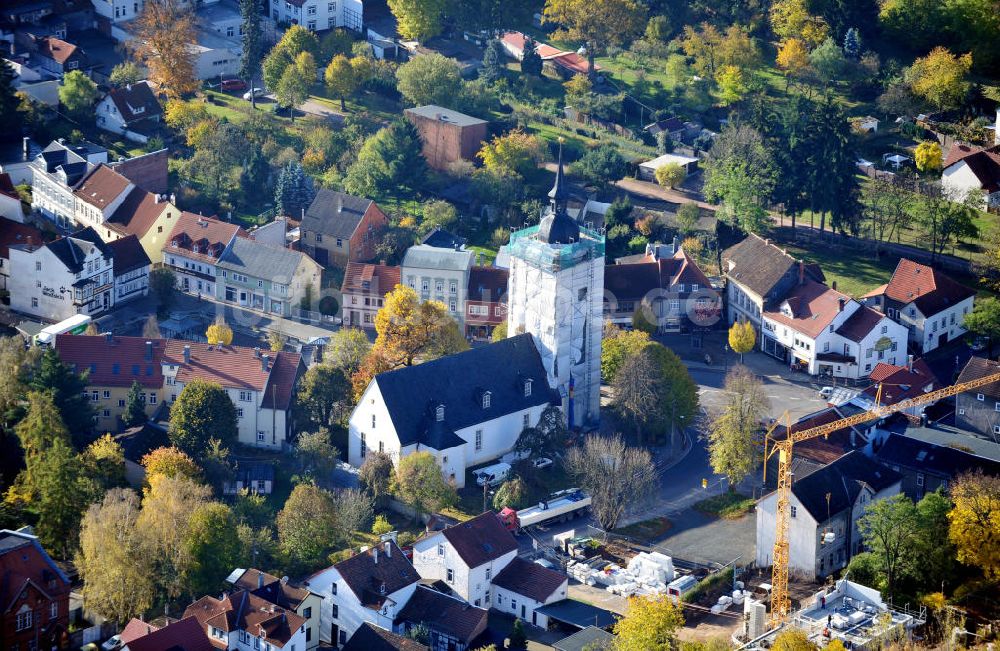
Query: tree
x=598 y=23
x=793 y=639
x=650 y=624
x=203 y=411
x=732 y=85
x=602 y=166
x=125 y=73
x=928 y=156
x=161 y=283
x=678 y=401
x=316 y=453
x=438 y=214
x=219 y=333
x=211 y=546
x=19 y=363
x=732 y=437
x=381 y=525
x=984 y=321
x=518 y=638
x=670 y=175
x=10 y=104
x=546 y=437
x=499 y=332
x=323 y=395
x=974 y=523
x=375 y=476
x=102 y=466
x=135 y=406
x=516 y=152
x=293 y=86
x=67 y=389
x=151 y=328
x=793 y=56
x=296 y=40
x=942 y=221
x=37 y=433
x=162 y=38
x=688 y=215
x=940 y=78
x=407 y=327
x=170 y=462
x=377 y=361
x=531 y=63
x=60 y=498
x=890 y=530
x=885 y=202
x=419 y=482
x=791 y=19
x=307 y=525
x=617 y=346
x=418 y=20
x=511 y=494
x=341 y=79
x=346 y=349
x=162 y=528
x=430 y=79
x=742 y=338
x=852 y=44
x=934 y=550
x=116 y=582
x=392 y=158
x=253 y=42
x=637 y=387
x=292 y=193
x=739 y=173
x=492 y=67
x=828 y=60
x=616 y=476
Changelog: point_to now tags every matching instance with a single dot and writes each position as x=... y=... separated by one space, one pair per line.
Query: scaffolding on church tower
x=525 y=245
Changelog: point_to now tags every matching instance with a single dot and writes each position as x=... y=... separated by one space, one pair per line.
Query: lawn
x=855 y=271
x=727 y=505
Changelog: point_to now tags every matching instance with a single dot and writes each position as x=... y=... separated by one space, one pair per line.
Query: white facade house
x=523 y=587
x=929 y=304
x=54 y=173
x=828 y=333
x=467 y=556
x=68 y=276
x=439 y=274
x=968 y=168
x=852 y=482
x=318 y=15
x=372 y=586
x=98 y=194
x=503 y=389
x=556 y=293
x=193 y=249
x=131 y=269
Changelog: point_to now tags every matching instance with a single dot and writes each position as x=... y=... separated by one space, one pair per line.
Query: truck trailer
x=560 y=506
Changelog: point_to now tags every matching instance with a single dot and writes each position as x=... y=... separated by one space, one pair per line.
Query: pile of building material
x=648 y=573
x=725 y=601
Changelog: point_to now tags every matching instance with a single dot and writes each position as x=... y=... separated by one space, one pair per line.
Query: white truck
x=75 y=325
x=562 y=505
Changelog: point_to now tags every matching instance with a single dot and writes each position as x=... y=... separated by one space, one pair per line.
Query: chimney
x=802 y=274
x=264 y=361
x=26 y=147
x=156 y=198
x=187 y=354
x=833 y=285
x=62 y=141
x=260 y=580
x=256 y=352
x=340 y=204
x=128 y=87
x=375 y=554
x=149 y=351
x=110 y=338
x=909 y=363
x=388 y=549
x=173 y=198
x=677 y=244
x=840 y=303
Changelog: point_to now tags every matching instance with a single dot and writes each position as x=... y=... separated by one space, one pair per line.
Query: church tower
x=556 y=293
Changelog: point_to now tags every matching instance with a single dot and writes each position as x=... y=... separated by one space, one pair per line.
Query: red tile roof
x=978 y=368
x=822 y=450
x=271 y=588
x=900 y=383
x=101 y=186
x=813 y=307
x=284 y=374
x=229 y=366
x=116 y=362
x=137 y=213
x=959 y=151
x=529 y=579
x=575 y=63
x=208 y=233
x=488 y=284
x=135 y=102
x=380 y=279
x=481 y=539
x=929 y=289
x=373 y=575
x=56 y=49
x=13 y=233
x=243 y=611
x=515 y=39
x=135 y=629
x=183 y=635
x=7 y=187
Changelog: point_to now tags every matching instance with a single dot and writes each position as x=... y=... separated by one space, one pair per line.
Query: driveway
x=314 y=107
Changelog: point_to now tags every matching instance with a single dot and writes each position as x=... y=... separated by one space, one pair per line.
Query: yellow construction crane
x=780 y=602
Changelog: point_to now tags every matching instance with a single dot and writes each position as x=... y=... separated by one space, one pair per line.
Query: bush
x=381 y=525
x=709 y=585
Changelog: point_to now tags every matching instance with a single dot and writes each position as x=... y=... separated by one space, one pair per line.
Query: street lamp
x=725 y=355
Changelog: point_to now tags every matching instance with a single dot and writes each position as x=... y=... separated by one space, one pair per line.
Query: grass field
x=727 y=505
x=855 y=272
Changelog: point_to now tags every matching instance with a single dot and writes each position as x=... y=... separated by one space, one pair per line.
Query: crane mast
x=780 y=601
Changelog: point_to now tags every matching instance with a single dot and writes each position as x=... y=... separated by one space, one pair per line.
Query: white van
x=493 y=475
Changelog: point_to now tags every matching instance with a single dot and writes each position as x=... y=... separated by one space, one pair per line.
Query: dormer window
x=439 y=413
x=527 y=388
x=486 y=400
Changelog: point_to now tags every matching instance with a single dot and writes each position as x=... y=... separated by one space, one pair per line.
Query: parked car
x=541 y=463
x=493 y=475
x=826 y=392
x=112 y=643
x=978 y=344
x=233 y=84
x=253 y=92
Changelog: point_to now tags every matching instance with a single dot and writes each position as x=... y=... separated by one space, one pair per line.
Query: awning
x=835 y=357
x=578 y=614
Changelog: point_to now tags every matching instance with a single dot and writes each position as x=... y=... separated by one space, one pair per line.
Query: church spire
x=558 y=195
x=557 y=227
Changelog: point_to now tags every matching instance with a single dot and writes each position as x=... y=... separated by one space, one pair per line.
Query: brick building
x=447 y=135
x=339 y=228
x=34 y=595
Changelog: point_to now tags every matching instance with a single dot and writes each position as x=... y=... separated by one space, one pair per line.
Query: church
x=468 y=409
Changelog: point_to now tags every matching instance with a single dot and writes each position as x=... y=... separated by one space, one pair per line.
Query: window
x=996 y=429
x=524 y=420
x=439 y=286
x=439 y=413
x=364 y=445
x=106 y=413
x=121 y=403
x=453 y=306
x=336 y=610
x=381 y=446
x=95 y=396
x=311 y=25
x=333 y=588
x=451 y=575
x=961 y=412
x=319 y=237
x=527 y=388
x=34 y=302
x=794 y=511
x=260 y=436
x=38 y=265
x=488 y=574
x=152 y=398
x=239 y=413
x=311 y=10
x=487 y=397
x=920 y=479
x=440 y=549
x=453 y=288
x=54 y=610
x=980 y=397
x=331 y=7
x=343 y=638
x=340 y=243
x=107 y=395
x=479 y=441
x=885 y=329
x=997 y=407
x=24 y=620
x=513 y=603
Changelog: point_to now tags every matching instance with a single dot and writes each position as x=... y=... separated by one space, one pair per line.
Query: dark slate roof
x=139 y=441
x=481 y=539
x=248 y=470
x=978 y=368
x=335 y=213
x=586 y=639
x=529 y=579
x=72 y=249
x=858 y=325
x=129 y=255
x=373 y=638
x=442 y=239
x=135 y=102
x=843 y=480
x=906 y=452
x=444 y=614
x=372 y=575
x=457 y=382
x=578 y=613
x=759 y=265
